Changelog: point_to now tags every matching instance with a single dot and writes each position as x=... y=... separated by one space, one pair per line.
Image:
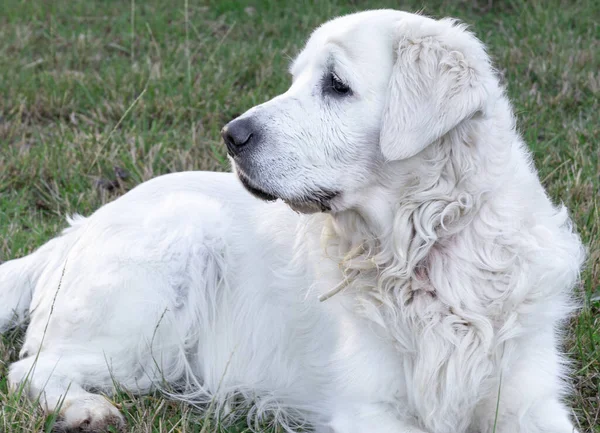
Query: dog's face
x=348 y=110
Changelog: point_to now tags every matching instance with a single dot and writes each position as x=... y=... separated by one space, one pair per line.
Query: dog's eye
x=338 y=86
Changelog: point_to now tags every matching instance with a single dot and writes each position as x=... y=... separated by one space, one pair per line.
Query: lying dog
x=404 y=270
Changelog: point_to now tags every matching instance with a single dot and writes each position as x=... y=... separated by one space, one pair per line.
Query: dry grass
x=145 y=87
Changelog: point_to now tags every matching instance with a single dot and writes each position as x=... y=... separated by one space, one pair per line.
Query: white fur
x=455 y=269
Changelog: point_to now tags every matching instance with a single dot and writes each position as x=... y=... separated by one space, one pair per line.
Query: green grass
x=89 y=86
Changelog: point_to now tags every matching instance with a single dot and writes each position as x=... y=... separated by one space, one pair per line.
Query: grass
x=96 y=97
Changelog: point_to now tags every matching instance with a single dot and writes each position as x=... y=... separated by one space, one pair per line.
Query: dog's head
x=368 y=89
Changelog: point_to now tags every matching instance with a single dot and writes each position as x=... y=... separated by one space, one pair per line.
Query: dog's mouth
x=252 y=189
x=316 y=201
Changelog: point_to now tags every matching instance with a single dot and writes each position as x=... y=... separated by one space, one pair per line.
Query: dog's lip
x=254 y=190
x=319 y=201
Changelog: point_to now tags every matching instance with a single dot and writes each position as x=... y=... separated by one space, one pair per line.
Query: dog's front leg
x=368 y=418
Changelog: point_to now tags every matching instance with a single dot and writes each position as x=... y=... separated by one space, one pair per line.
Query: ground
x=96 y=97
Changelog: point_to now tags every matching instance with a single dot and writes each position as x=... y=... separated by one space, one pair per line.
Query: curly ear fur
x=432 y=89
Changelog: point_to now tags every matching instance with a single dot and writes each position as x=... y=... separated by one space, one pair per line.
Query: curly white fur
x=451 y=269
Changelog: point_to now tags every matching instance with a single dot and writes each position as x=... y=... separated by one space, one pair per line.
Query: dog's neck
x=426 y=200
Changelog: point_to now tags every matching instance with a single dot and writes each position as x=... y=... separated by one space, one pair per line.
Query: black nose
x=238 y=135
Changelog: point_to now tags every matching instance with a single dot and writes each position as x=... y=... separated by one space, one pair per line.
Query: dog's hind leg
x=57 y=381
x=127 y=305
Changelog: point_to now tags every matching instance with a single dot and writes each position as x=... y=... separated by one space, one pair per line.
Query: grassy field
x=96 y=97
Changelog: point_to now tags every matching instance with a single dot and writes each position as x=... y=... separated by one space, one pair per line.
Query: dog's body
x=443 y=267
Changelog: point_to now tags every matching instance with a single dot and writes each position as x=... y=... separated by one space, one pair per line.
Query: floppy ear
x=431 y=90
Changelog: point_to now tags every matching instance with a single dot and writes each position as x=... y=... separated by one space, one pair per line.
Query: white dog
x=411 y=277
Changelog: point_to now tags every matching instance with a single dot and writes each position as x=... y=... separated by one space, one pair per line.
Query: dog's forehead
x=374 y=20
x=356 y=30
x=363 y=36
